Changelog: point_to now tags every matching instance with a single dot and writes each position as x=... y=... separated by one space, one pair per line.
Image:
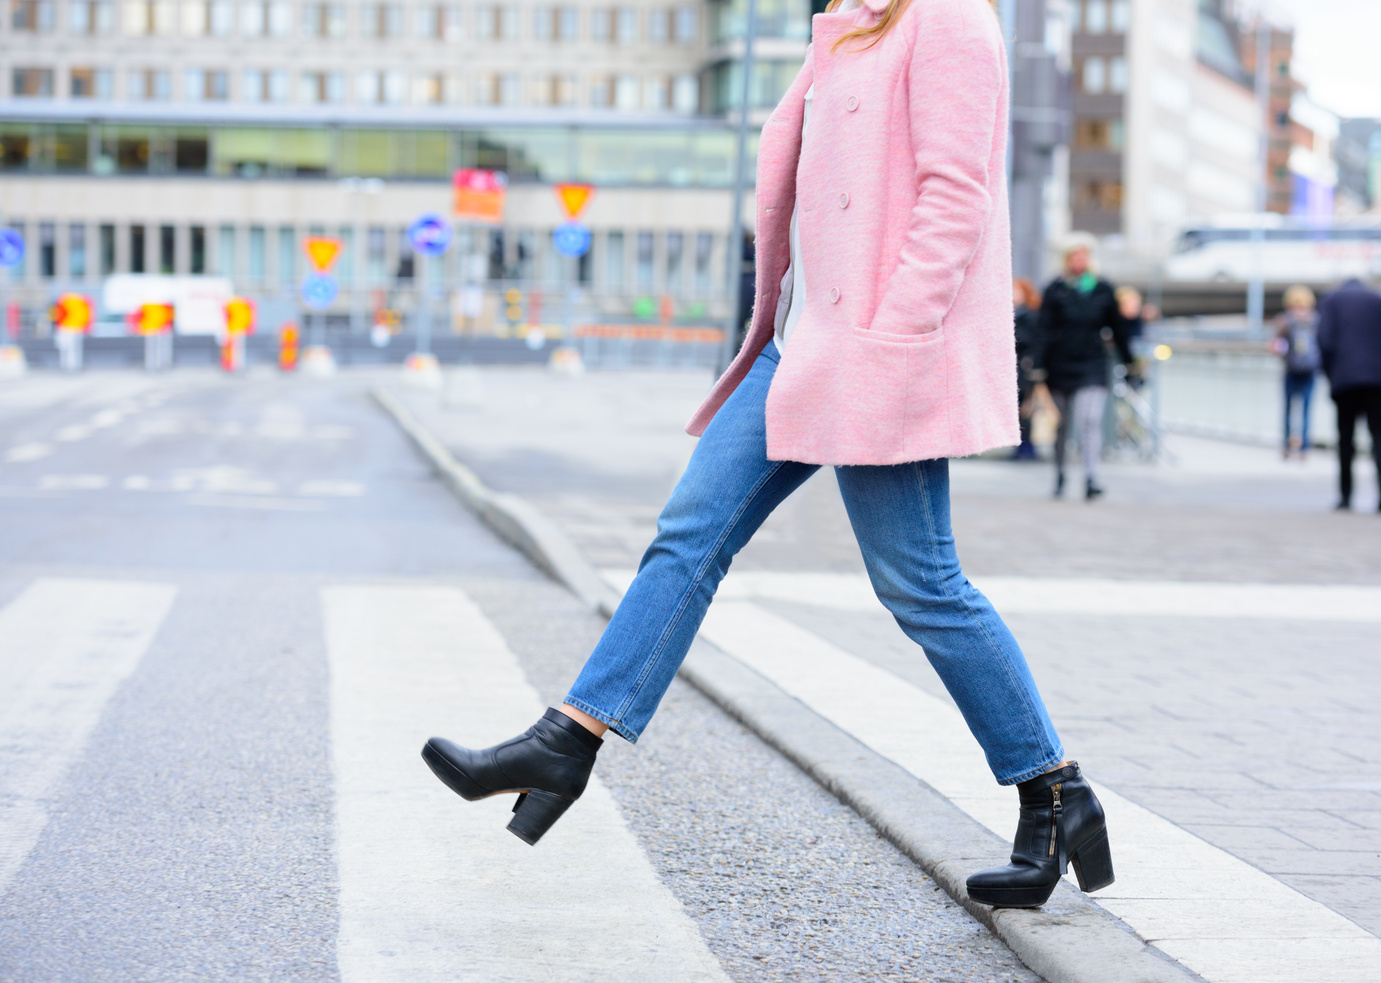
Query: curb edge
x=1070 y=940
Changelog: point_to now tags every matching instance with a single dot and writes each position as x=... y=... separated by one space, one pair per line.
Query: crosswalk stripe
x=435 y=889
x=65 y=647
x=1092 y=596
x=1218 y=915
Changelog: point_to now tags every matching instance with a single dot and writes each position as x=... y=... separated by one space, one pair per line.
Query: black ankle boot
x=548 y=767
x=1061 y=823
x=1092 y=490
x=1059 y=483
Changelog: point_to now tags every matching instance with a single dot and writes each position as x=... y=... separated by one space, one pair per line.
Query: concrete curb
x=1070 y=940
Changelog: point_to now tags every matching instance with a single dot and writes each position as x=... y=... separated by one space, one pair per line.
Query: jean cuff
x=1049 y=765
x=616 y=726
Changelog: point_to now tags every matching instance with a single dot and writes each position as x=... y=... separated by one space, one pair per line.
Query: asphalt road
x=166 y=734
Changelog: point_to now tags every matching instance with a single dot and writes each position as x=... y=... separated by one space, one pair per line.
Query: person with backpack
x=1297 y=343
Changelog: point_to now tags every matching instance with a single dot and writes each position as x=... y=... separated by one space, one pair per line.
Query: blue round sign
x=11 y=247
x=571 y=239
x=430 y=234
x=319 y=290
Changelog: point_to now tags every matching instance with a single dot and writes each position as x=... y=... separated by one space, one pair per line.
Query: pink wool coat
x=905 y=348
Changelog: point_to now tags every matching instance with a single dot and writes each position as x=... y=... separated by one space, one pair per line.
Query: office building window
x=32 y=82
x=47 y=250
x=543 y=23
x=567 y=23
x=321 y=87
x=277 y=84
x=426 y=90
x=1094 y=76
x=134 y=17
x=686 y=25
x=1121 y=16
x=601 y=91
x=167 y=249
x=367 y=87
x=36 y=16
x=626 y=25
x=1095 y=16
x=225 y=251
x=252 y=87
x=90 y=17
x=601 y=24
x=76 y=251
x=193 y=17
x=613 y=260
x=685 y=94
x=704 y=251
x=395 y=84
x=659 y=26
x=92 y=83
x=222 y=18
x=196 y=249
x=149 y=84
x=136 y=249
x=376 y=258
x=258 y=258
x=194 y=85
x=280 y=18
x=427 y=22
x=107 y=246
x=676 y=249
x=656 y=93
x=452 y=24
x=381 y=20
x=323 y=20
x=253 y=18
x=627 y=92
x=1117 y=74
x=644 y=261
x=287 y=255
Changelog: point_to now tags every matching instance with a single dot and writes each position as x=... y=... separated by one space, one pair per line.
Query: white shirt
x=793 y=297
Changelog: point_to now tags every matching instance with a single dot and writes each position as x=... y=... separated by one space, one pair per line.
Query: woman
x=1297 y=342
x=881 y=343
x=1079 y=314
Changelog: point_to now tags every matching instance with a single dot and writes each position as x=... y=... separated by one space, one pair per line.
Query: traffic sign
x=11 y=247
x=239 y=316
x=574 y=198
x=322 y=252
x=430 y=234
x=319 y=290
x=72 y=312
x=571 y=239
x=478 y=195
x=152 y=319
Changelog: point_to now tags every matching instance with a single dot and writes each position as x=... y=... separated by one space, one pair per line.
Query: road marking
x=73 y=432
x=65 y=647
x=73 y=482
x=262 y=504
x=337 y=489
x=107 y=418
x=137 y=482
x=21 y=453
x=435 y=889
x=1218 y=915
x=1042 y=595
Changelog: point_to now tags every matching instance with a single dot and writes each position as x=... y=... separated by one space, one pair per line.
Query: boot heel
x=535 y=813
x=1093 y=863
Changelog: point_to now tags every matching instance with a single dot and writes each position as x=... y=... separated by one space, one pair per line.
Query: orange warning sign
x=479 y=194
x=574 y=198
x=152 y=319
x=239 y=316
x=322 y=252
x=72 y=312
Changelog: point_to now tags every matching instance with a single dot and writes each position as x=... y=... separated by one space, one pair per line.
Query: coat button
x=844 y=200
x=851 y=103
x=834 y=295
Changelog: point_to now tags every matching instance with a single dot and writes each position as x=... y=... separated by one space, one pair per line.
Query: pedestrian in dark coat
x=1026 y=301
x=1350 y=346
x=1079 y=316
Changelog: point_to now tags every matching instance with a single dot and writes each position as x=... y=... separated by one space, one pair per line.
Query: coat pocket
x=892 y=338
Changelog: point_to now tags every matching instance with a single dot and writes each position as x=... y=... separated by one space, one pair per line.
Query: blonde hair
x=1299 y=296
x=885 y=22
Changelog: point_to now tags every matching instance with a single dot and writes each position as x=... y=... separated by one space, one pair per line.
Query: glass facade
x=609 y=157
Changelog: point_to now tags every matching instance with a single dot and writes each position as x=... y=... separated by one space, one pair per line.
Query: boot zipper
x=1055 y=818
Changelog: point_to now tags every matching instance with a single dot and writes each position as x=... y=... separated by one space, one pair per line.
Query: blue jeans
x=900 y=515
x=1298 y=385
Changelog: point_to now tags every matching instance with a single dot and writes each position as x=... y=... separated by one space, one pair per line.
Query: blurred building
x=210 y=136
x=1358 y=156
x=1166 y=124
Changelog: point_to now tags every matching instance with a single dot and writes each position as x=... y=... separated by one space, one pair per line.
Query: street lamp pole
x=1256 y=287
x=733 y=251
